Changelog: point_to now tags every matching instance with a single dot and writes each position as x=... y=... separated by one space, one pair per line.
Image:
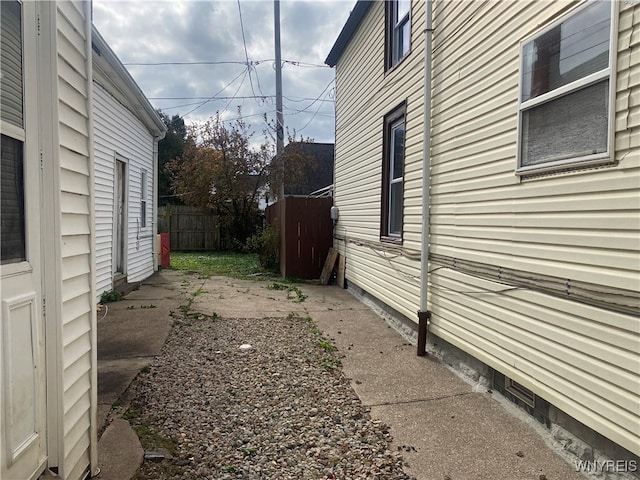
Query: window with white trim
x=398 y=27
x=12 y=203
x=565 y=92
x=143 y=199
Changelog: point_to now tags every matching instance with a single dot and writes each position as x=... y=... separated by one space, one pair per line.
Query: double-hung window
x=393 y=175
x=565 y=118
x=143 y=199
x=398 y=27
x=12 y=202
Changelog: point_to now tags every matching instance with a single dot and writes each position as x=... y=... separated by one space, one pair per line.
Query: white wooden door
x=22 y=343
x=120 y=243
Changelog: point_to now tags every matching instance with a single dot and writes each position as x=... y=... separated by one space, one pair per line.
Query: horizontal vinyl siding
x=76 y=231
x=119 y=133
x=582 y=226
x=365 y=94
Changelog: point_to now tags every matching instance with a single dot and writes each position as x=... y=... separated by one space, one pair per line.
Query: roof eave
x=352 y=24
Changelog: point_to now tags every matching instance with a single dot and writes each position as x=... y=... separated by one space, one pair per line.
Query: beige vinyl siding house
x=48 y=334
x=360 y=108
x=126 y=134
x=533 y=269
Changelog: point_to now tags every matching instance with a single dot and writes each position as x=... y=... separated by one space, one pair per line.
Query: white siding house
x=126 y=134
x=47 y=275
x=529 y=194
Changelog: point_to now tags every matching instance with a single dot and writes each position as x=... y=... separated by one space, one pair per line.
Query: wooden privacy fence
x=307 y=235
x=189 y=228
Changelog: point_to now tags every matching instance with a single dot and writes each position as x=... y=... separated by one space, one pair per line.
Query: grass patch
x=226 y=264
x=149 y=437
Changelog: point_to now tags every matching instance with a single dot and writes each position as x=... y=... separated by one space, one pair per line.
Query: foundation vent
x=519 y=391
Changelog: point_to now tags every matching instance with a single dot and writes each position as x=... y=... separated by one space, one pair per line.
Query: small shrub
x=111 y=296
x=267 y=245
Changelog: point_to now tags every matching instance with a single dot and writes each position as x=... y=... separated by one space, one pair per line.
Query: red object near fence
x=165 y=251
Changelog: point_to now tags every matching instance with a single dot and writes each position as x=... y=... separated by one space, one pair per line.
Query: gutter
x=423 y=314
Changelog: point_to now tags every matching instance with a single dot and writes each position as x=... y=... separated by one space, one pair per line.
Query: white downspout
x=154 y=228
x=423 y=313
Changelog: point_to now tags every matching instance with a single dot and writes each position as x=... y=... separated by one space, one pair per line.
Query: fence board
x=189 y=228
x=307 y=235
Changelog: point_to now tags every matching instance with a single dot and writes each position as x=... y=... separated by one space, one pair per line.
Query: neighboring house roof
x=316 y=176
x=128 y=91
x=356 y=16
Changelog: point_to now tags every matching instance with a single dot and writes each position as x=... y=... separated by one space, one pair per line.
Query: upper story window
x=391 y=222
x=398 y=28
x=12 y=203
x=565 y=92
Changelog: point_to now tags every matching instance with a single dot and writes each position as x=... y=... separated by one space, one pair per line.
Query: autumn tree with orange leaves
x=223 y=172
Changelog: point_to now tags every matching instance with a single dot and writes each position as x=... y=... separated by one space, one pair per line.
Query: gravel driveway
x=282 y=409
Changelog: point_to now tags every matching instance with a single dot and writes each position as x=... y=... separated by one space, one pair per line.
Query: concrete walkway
x=444 y=429
x=131 y=333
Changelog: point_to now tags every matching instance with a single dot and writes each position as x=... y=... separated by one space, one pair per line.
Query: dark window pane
x=395 y=209
x=11 y=63
x=400 y=30
x=398 y=151
x=12 y=233
x=577 y=47
x=570 y=126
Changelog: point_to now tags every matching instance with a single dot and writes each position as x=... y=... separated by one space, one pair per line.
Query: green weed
x=326 y=345
x=293 y=293
x=111 y=296
x=249 y=452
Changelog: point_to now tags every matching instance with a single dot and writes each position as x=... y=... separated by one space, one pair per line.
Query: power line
x=215 y=94
x=246 y=54
x=248 y=72
x=295 y=63
x=244 y=97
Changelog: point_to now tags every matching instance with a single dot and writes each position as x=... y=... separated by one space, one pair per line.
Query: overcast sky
x=154 y=32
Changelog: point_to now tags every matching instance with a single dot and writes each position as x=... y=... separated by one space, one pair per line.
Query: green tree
x=172 y=146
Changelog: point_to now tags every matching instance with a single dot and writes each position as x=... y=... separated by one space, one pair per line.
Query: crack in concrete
x=418 y=400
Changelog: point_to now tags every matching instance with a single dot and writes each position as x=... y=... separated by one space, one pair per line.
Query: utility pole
x=279 y=133
x=279 y=119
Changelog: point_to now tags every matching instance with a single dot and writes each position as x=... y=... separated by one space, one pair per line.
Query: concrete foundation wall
x=579 y=442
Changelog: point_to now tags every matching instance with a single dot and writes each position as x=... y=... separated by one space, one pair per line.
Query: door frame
x=120 y=220
x=37 y=108
x=50 y=220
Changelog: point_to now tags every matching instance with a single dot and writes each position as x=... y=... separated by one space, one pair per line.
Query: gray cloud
x=210 y=31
